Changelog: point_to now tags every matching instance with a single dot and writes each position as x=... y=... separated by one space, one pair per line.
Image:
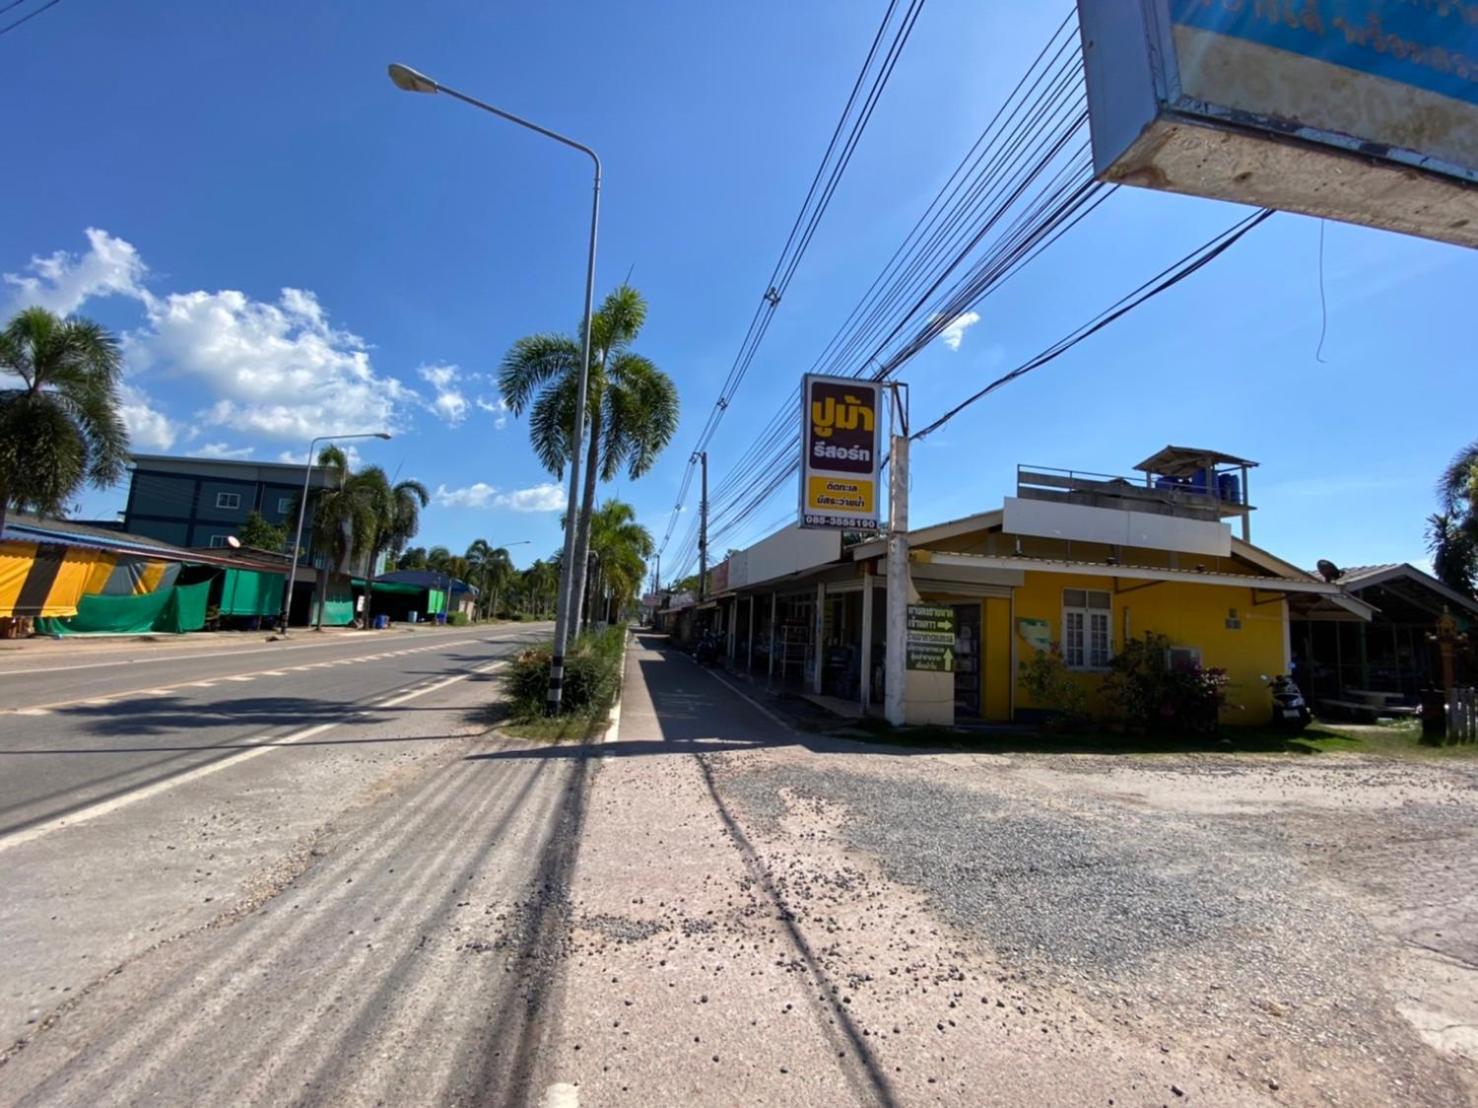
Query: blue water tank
x=1168 y=483
x=1201 y=481
x=1229 y=487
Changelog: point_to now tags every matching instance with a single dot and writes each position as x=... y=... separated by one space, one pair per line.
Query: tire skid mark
x=338 y=1068
x=317 y=1029
x=187 y=990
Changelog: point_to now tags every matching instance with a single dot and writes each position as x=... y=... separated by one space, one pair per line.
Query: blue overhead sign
x=1428 y=44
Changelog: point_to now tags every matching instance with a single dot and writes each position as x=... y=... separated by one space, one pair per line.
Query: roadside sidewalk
x=726 y=948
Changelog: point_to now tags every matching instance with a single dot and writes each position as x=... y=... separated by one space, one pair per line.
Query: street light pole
x=566 y=611
x=292 y=569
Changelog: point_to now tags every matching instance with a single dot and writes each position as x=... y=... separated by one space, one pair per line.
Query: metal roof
x=1355 y=578
x=1181 y=461
x=26 y=528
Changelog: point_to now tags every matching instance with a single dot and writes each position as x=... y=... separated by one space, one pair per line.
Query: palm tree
x=489 y=567
x=632 y=406
x=397 y=511
x=414 y=558
x=62 y=426
x=622 y=547
x=1452 y=535
x=346 y=517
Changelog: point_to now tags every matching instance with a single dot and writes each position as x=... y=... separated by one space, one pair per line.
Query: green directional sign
x=930 y=644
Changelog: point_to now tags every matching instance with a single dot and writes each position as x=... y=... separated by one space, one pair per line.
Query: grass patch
x=592 y=682
x=1395 y=740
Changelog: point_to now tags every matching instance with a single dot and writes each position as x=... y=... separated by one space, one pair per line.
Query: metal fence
x=1462 y=716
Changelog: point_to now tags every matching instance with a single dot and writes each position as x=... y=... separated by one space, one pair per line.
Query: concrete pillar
x=895 y=693
x=866 y=682
x=749 y=646
x=818 y=657
x=774 y=620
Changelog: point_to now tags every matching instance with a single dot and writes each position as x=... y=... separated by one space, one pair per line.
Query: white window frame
x=284 y=505
x=1078 y=622
x=217 y=541
x=233 y=497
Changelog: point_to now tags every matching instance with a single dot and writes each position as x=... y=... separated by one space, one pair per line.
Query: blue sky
x=292 y=246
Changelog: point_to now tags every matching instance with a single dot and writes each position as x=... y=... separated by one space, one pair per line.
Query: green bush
x=1052 y=686
x=460 y=619
x=1147 y=693
x=592 y=674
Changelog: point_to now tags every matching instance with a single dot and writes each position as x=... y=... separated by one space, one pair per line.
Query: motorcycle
x=1291 y=711
x=706 y=653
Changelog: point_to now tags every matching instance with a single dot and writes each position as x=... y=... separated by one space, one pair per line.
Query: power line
x=833 y=165
x=1162 y=281
x=28 y=16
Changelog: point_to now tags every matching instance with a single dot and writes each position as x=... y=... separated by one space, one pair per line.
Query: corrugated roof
x=28 y=528
x=1365 y=577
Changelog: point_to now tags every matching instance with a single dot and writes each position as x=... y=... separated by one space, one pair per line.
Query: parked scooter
x=706 y=653
x=1290 y=710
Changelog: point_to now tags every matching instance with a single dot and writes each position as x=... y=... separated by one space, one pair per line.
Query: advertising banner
x=1359 y=110
x=841 y=446
x=930 y=644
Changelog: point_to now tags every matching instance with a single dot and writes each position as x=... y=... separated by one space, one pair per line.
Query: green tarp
x=435 y=601
x=338 y=613
x=245 y=592
x=174 y=610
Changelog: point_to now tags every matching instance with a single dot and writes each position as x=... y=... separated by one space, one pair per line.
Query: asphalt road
x=277 y=876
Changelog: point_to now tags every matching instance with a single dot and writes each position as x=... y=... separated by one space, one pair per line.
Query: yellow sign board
x=841 y=437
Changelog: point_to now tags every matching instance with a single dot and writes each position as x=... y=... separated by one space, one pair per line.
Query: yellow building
x=1074 y=562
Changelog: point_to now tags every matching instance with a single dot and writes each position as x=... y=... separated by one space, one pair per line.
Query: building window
x=218 y=540
x=228 y=500
x=1087 y=641
x=284 y=505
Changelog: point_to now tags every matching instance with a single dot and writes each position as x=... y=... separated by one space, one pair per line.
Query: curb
x=613 y=728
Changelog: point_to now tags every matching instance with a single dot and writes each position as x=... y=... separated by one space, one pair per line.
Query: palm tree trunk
x=587 y=509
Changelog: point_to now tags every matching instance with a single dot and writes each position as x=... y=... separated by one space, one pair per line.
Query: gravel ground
x=762 y=917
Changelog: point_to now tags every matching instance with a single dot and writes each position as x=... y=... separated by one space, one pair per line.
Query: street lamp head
x=382 y=435
x=408 y=79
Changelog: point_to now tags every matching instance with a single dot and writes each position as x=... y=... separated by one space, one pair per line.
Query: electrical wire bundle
x=1025 y=182
x=882 y=57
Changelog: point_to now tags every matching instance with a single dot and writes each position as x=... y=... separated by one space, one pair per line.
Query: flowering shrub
x=1146 y=692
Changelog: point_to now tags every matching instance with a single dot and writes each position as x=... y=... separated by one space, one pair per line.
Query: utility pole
x=895 y=658
x=703 y=532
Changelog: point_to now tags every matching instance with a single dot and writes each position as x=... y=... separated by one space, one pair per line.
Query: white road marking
x=266 y=744
x=33 y=712
x=203 y=684
x=242 y=677
x=31 y=834
x=189 y=655
x=561 y=1095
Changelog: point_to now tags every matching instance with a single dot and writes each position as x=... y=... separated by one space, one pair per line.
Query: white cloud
x=61 y=281
x=449 y=402
x=473 y=496
x=498 y=408
x=299 y=457
x=148 y=428
x=954 y=334
x=546 y=497
x=223 y=450
x=279 y=370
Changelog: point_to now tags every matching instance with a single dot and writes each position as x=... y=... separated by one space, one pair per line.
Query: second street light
x=292 y=569
x=571 y=579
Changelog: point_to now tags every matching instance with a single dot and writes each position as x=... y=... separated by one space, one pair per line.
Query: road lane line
x=82 y=815
x=189 y=655
x=267 y=743
x=33 y=712
x=166 y=690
